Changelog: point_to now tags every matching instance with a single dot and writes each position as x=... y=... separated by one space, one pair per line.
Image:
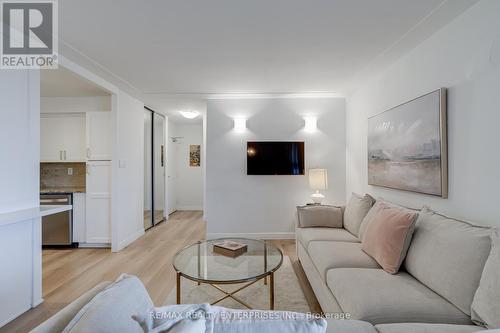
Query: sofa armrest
x=60 y=320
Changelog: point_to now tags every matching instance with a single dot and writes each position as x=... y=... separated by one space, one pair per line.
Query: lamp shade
x=318 y=179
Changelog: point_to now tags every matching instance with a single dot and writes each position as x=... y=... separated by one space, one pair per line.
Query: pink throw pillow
x=388 y=236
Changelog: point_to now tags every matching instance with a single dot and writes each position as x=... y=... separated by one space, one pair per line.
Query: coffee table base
x=231 y=294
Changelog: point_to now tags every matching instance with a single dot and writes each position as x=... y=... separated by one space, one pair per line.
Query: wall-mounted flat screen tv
x=275 y=158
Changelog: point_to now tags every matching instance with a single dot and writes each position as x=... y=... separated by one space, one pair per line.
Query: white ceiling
x=64 y=83
x=250 y=46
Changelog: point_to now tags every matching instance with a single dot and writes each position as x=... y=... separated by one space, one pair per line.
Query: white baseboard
x=189 y=207
x=256 y=235
x=94 y=245
x=127 y=241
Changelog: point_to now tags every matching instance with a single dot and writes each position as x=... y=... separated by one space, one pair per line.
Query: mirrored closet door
x=154 y=168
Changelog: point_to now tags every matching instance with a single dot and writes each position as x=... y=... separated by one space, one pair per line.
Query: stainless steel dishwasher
x=57 y=229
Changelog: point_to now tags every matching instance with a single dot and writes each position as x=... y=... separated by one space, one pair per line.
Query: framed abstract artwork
x=407 y=146
x=194 y=155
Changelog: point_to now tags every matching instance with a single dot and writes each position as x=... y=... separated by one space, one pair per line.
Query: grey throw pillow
x=320 y=216
x=486 y=304
x=355 y=212
x=111 y=310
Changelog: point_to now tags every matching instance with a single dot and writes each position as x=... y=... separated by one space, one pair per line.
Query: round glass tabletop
x=199 y=262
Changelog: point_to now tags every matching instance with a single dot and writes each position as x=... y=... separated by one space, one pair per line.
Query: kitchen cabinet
x=79 y=217
x=62 y=138
x=74 y=138
x=99 y=136
x=98 y=202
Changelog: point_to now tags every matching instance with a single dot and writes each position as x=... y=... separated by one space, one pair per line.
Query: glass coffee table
x=199 y=263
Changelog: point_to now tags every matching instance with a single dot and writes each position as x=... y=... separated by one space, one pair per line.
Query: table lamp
x=318 y=181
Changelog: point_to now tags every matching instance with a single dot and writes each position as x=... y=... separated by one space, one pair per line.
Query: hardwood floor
x=68 y=273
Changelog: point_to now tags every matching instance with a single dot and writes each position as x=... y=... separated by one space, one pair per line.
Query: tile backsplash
x=56 y=175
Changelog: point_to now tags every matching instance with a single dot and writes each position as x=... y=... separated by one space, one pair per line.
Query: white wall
x=464 y=57
x=128 y=171
x=266 y=205
x=189 y=180
x=20 y=242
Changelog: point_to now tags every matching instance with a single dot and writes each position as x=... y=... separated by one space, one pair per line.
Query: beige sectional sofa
x=433 y=291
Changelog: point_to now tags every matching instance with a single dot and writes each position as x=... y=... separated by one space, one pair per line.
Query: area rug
x=288 y=294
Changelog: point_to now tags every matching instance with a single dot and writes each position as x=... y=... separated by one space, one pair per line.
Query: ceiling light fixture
x=189 y=114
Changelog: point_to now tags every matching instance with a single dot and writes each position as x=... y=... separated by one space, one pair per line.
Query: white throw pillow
x=263 y=321
x=223 y=320
x=111 y=310
x=195 y=318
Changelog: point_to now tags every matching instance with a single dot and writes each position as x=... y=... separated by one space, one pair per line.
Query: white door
x=98 y=202
x=99 y=136
x=74 y=138
x=51 y=138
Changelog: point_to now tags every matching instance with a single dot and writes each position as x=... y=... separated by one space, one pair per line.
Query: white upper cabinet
x=99 y=138
x=51 y=139
x=74 y=138
x=62 y=138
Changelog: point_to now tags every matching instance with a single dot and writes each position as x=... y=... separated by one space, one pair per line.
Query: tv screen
x=275 y=158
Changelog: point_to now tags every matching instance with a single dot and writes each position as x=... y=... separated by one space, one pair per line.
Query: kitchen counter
x=32 y=213
x=63 y=189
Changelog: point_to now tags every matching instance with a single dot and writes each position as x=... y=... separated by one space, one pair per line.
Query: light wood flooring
x=68 y=273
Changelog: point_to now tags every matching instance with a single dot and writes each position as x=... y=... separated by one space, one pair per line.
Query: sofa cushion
x=306 y=235
x=355 y=212
x=426 y=328
x=486 y=305
x=111 y=310
x=374 y=210
x=375 y=296
x=388 y=236
x=448 y=256
x=326 y=255
x=349 y=326
x=320 y=216
x=323 y=294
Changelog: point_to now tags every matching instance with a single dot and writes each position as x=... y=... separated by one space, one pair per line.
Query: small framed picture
x=194 y=155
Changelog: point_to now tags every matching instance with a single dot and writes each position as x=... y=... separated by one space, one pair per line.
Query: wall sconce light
x=240 y=125
x=310 y=124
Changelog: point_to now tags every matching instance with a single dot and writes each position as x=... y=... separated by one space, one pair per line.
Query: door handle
x=60 y=155
x=88 y=152
x=65 y=155
x=162 y=158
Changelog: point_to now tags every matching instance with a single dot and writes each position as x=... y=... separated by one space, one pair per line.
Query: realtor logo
x=29 y=34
